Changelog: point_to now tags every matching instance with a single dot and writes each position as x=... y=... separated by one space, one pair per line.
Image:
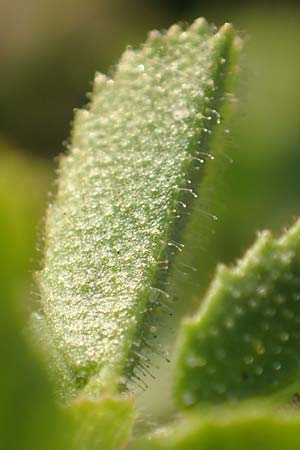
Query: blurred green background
x=49 y=52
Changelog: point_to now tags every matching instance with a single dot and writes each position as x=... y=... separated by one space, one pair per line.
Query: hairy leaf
x=126 y=190
x=244 y=341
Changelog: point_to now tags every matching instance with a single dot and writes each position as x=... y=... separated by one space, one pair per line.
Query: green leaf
x=237 y=428
x=101 y=424
x=96 y=423
x=126 y=190
x=19 y=215
x=60 y=374
x=28 y=412
x=244 y=341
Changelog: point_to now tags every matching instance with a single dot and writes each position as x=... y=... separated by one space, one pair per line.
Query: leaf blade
x=243 y=342
x=241 y=427
x=111 y=228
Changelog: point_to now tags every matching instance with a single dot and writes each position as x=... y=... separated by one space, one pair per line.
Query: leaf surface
x=244 y=341
x=238 y=428
x=28 y=412
x=101 y=424
x=126 y=190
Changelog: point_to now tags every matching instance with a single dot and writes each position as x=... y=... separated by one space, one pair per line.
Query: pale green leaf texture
x=245 y=340
x=101 y=424
x=126 y=189
x=238 y=428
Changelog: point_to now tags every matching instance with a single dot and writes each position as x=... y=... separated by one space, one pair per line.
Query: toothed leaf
x=245 y=340
x=126 y=189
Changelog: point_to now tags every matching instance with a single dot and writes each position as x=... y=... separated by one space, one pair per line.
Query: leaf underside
x=245 y=340
x=126 y=189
